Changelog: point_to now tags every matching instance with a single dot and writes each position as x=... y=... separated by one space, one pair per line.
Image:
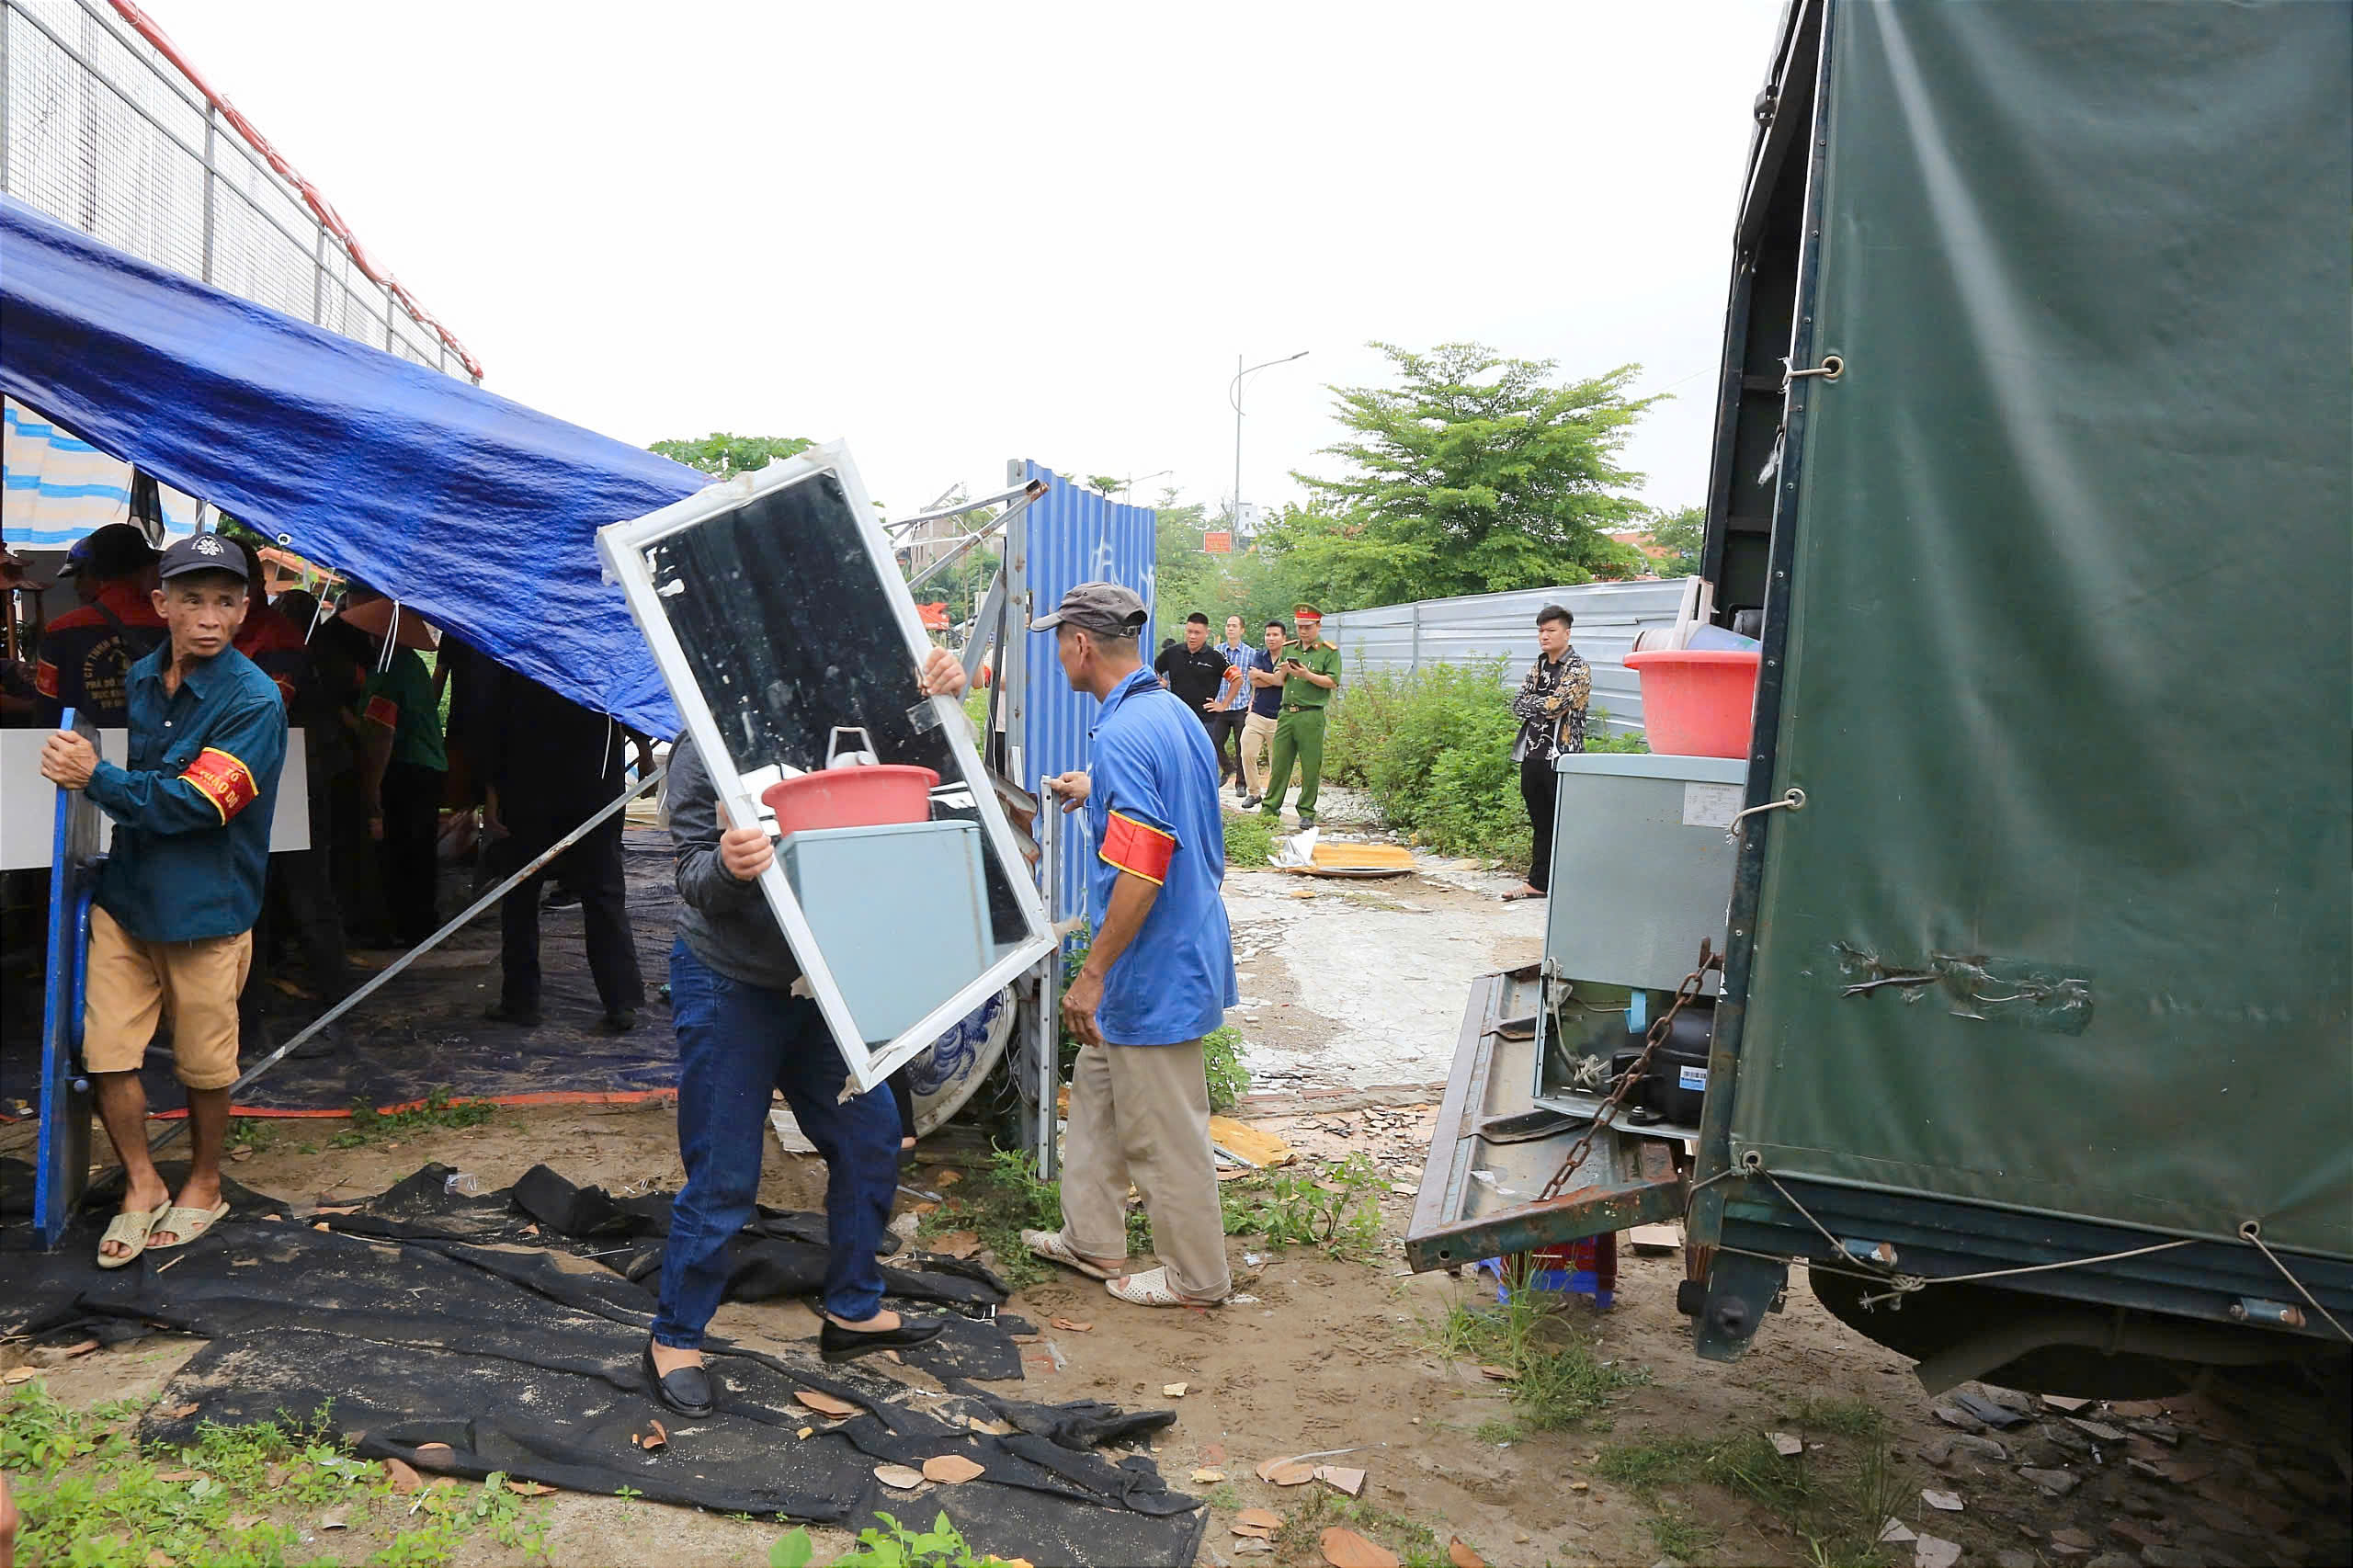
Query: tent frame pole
x=538 y=864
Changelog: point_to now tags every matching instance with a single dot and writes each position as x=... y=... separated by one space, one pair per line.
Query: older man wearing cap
x=1158 y=977
x=179 y=891
x=86 y=653
x=1311 y=671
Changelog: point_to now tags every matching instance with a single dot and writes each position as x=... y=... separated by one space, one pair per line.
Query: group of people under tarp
x=409 y=764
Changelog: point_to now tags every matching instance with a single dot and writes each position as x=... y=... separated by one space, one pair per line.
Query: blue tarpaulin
x=477 y=512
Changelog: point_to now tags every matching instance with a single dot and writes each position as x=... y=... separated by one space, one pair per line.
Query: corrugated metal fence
x=1070 y=535
x=1482 y=627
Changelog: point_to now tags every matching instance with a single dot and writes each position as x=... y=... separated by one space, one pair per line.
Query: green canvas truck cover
x=2069 y=677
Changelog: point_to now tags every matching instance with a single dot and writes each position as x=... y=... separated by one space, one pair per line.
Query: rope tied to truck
x=1901 y=1285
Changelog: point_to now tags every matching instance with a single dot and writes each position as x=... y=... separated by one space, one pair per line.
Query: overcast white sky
x=959 y=234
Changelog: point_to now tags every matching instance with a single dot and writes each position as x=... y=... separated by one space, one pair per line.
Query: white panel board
x=29 y=802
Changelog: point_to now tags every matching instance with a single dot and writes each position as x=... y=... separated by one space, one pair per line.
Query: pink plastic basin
x=1698 y=702
x=851 y=797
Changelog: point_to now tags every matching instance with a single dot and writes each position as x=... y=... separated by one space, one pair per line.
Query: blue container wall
x=1074 y=536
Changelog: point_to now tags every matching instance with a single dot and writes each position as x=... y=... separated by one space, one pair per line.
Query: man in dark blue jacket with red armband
x=180 y=889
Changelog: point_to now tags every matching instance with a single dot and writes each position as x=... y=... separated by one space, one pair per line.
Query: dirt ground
x=1352 y=1001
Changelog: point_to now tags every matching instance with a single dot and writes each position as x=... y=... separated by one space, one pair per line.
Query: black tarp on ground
x=415 y=1321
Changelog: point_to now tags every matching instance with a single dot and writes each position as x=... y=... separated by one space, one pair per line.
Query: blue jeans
x=736 y=1043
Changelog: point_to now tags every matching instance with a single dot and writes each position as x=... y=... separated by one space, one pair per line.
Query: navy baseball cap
x=201 y=552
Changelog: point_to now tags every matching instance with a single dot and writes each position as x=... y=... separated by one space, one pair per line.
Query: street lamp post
x=1233 y=396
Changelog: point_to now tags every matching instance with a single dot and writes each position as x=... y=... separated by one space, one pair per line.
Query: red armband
x=1137 y=848
x=385 y=711
x=222 y=779
x=45 y=678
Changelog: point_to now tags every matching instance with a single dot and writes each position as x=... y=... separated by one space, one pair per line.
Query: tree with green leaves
x=1476 y=473
x=1185 y=577
x=724 y=456
x=1683 y=533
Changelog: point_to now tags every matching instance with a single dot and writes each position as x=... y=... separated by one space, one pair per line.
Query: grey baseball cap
x=200 y=552
x=1106 y=607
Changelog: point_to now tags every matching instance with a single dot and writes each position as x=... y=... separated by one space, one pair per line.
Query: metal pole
x=5 y=9
x=1035 y=489
x=1233 y=396
x=212 y=150
x=1235 y=522
x=426 y=946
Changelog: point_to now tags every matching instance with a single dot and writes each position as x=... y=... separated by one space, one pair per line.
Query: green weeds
x=92 y=1498
x=1249 y=839
x=370 y=1125
x=1557 y=1381
x=1229 y=1079
x=1334 y=1208
x=893 y=1546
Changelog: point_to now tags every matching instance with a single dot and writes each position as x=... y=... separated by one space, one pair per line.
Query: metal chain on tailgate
x=1633 y=1075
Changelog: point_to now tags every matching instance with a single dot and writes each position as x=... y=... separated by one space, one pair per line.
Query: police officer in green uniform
x=1311 y=668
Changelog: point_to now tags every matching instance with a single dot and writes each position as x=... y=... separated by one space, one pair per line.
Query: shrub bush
x=1434 y=750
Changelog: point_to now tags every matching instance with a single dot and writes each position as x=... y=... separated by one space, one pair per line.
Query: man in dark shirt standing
x=1265 y=682
x=1200 y=676
x=180 y=891
x=548 y=764
x=86 y=653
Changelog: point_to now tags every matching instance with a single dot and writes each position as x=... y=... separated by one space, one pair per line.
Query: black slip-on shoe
x=836 y=1343
x=620 y=1020
x=500 y=1013
x=686 y=1390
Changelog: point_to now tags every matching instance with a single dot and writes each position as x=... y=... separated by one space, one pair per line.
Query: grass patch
x=1840 y=1418
x=1684 y=1539
x=370 y=1125
x=1835 y=1504
x=1557 y=1380
x=1249 y=839
x=1498 y=1432
x=92 y=1498
x=1416 y=1544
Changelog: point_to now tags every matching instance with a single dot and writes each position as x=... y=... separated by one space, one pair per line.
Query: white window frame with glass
x=624 y=547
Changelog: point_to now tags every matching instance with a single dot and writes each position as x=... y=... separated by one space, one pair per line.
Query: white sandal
x=1153 y=1287
x=186 y=1226
x=1050 y=1246
x=131 y=1228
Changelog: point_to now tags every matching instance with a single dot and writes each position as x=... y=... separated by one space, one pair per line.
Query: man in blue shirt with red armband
x=177 y=896
x=1158 y=977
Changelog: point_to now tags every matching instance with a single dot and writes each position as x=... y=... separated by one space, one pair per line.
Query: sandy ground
x=1355 y=986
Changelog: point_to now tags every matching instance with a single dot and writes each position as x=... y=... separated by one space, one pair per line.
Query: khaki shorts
x=132 y=983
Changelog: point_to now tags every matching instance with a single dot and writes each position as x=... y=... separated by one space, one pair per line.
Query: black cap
x=202 y=553
x=1104 y=608
x=117 y=549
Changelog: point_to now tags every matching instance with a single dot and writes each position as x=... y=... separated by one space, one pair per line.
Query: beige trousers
x=1257 y=734
x=1140 y=1114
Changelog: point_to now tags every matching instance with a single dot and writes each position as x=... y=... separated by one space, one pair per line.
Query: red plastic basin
x=852 y=797
x=1698 y=701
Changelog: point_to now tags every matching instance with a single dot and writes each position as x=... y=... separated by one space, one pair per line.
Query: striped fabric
x=60 y=488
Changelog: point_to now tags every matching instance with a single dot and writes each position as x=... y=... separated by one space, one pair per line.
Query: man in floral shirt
x=1550 y=705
